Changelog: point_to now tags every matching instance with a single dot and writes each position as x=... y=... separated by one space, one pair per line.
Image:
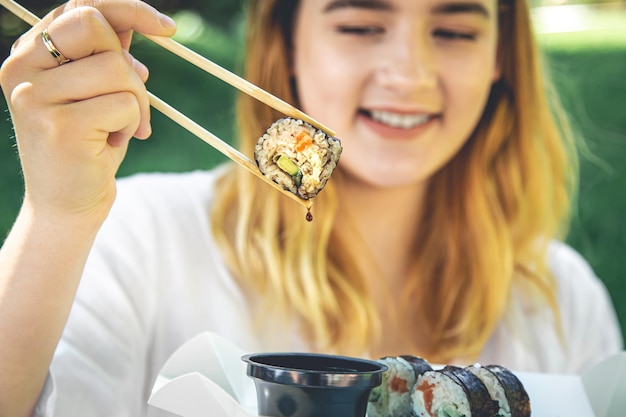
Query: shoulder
x=577 y=284
x=157 y=195
x=155 y=212
x=565 y=261
x=589 y=323
x=530 y=338
x=158 y=185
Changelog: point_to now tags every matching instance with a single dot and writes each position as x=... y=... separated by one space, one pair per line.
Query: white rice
x=446 y=395
x=395 y=390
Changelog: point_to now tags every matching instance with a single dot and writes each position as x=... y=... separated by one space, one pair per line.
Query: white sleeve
x=590 y=326
x=99 y=366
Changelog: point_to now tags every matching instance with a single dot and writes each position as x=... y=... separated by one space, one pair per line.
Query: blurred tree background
x=219 y=13
x=585 y=50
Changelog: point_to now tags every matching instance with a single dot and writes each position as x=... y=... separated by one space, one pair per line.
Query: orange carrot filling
x=399 y=385
x=427 y=390
x=303 y=141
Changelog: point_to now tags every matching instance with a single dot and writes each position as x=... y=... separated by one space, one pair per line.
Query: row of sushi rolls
x=410 y=387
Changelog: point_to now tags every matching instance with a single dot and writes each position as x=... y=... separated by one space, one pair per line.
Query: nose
x=407 y=66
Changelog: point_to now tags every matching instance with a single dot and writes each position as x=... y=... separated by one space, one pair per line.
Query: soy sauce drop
x=309 y=216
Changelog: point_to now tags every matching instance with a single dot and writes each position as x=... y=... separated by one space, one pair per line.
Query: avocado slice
x=290 y=167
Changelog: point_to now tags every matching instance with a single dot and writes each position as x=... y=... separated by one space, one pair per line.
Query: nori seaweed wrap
x=516 y=395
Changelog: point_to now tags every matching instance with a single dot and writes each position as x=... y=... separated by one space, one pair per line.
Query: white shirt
x=155 y=279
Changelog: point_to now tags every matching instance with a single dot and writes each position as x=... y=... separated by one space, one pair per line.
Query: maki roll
x=451 y=392
x=297 y=156
x=392 y=398
x=505 y=389
x=418 y=364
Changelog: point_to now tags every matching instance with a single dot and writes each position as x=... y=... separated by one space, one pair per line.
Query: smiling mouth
x=397 y=120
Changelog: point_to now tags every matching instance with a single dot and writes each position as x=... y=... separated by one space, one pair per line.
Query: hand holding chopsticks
x=225 y=76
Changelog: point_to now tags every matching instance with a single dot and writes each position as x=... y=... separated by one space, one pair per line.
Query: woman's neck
x=386 y=219
x=383 y=224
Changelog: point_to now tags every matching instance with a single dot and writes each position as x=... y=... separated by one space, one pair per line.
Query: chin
x=387 y=178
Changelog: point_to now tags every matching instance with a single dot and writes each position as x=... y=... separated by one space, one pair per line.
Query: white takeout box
x=206 y=376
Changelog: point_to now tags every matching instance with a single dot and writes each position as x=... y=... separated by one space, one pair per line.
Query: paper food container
x=206 y=376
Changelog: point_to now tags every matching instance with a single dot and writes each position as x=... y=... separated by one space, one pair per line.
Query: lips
x=398 y=120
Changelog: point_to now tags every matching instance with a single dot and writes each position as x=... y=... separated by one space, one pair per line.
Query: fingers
x=127 y=15
x=123 y=16
x=111 y=73
x=93 y=130
x=72 y=121
x=82 y=80
x=118 y=128
x=78 y=33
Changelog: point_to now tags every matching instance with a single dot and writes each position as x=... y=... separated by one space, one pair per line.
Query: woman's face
x=402 y=82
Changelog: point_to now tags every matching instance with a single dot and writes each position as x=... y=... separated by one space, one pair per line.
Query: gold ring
x=56 y=54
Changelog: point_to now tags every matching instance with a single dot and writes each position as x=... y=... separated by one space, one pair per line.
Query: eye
x=360 y=30
x=452 y=35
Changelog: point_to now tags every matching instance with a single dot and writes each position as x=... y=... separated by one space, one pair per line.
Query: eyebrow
x=446 y=8
x=360 y=4
x=461 y=7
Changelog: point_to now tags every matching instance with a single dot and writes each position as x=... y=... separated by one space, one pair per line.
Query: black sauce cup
x=312 y=385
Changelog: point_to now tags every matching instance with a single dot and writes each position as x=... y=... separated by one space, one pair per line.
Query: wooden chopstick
x=234 y=80
x=19 y=11
x=179 y=118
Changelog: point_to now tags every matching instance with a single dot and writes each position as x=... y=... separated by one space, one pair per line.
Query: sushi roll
x=419 y=365
x=297 y=156
x=505 y=389
x=451 y=392
x=392 y=398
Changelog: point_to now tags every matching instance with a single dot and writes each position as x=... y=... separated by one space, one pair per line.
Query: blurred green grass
x=589 y=73
x=588 y=70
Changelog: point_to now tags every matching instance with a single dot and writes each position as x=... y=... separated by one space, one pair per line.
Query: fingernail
x=166 y=21
x=141 y=70
x=143 y=131
x=147 y=131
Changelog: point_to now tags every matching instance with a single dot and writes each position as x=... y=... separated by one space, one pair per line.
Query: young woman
x=438 y=235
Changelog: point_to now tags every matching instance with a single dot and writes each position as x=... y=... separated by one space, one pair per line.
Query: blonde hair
x=490 y=214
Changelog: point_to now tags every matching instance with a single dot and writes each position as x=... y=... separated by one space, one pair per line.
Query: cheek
x=328 y=85
x=467 y=85
x=329 y=79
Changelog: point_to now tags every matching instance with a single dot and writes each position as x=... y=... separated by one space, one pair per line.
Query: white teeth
x=404 y=121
